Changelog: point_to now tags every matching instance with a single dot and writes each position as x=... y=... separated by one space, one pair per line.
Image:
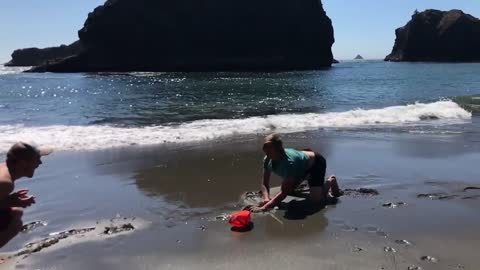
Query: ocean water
x=401 y=128
x=101 y=111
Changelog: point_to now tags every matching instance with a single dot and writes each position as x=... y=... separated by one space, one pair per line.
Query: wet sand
x=183 y=190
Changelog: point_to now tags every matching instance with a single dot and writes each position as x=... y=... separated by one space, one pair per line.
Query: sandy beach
x=183 y=191
x=158 y=111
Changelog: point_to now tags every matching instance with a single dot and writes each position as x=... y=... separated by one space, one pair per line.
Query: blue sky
x=365 y=27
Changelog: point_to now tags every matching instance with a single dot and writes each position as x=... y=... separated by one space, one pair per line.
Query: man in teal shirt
x=293 y=166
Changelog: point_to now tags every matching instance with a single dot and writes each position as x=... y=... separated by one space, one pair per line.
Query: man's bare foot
x=336 y=192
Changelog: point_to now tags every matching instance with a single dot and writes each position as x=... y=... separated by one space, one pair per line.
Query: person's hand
x=258 y=209
x=21 y=198
x=264 y=202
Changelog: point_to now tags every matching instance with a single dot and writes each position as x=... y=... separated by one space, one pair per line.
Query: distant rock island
x=37 y=57
x=438 y=36
x=358 y=57
x=211 y=35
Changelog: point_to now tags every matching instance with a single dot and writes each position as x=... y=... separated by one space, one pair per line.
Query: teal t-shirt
x=293 y=165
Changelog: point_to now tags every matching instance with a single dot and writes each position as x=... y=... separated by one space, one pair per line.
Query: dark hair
x=274 y=140
x=21 y=151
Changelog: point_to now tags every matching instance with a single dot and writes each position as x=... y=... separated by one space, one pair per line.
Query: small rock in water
x=389 y=249
x=429 y=259
x=393 y=205
x=414 y=267
x=403 y=242
x=361 y=192
x=202 y=228
x=33 y=225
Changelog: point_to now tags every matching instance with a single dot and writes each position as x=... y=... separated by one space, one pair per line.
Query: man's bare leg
x=14 y=227
x=334 y=188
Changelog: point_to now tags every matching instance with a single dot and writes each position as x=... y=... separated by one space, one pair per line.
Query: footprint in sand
x=371 y=229
x=382 y=234
x=436 y=196
x=357 y=249
x=403 y=242
x=338 y=222
x=473 y=197
x=389 y=250
x=348 y=228
x=376 y=231
x=429 y=259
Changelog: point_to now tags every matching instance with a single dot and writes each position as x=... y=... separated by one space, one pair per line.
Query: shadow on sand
x=301 y=209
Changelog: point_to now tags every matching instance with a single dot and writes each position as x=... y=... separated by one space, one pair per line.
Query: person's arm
x=5 y=198
x=287 y=188
x=265 y=187
x=19 y=198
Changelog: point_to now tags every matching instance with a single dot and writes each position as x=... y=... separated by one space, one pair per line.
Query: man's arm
x=6 y=187
x=287 y=188
x=265 y=187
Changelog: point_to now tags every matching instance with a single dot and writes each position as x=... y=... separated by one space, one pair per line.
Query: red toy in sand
x=241 y=219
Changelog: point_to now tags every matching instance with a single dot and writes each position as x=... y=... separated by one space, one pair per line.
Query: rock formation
x=438 y=36
x=36 y=56
x=203 y=35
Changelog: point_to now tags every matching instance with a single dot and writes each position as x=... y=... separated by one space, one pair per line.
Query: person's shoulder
x=6 y=185
x=5 y=174
x=292 y=153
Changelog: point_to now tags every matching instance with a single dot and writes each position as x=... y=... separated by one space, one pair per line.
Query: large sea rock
x=438 y=36
x=35 y=56
x=203 y=35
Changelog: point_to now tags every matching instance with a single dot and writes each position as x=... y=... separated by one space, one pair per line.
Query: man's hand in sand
x=265 y=201
x=258 y=209
x=21 y=198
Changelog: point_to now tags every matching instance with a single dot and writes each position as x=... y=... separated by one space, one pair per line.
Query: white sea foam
x=62 y=137
x=12 y=70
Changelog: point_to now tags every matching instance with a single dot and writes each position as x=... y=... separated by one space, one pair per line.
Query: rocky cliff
x=36 y=56
x=203 y=35
x=438 y=36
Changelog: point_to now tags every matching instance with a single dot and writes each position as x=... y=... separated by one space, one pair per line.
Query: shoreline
x=181 y=189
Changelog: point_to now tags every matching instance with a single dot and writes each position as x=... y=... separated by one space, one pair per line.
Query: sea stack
x=34 y=56
x=211 y=35
x=438 y=36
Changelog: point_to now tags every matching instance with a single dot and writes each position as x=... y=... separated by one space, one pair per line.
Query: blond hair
x=274 y=140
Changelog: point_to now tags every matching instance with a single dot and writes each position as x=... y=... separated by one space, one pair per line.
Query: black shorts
x=5 y=218
x=316 y=174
